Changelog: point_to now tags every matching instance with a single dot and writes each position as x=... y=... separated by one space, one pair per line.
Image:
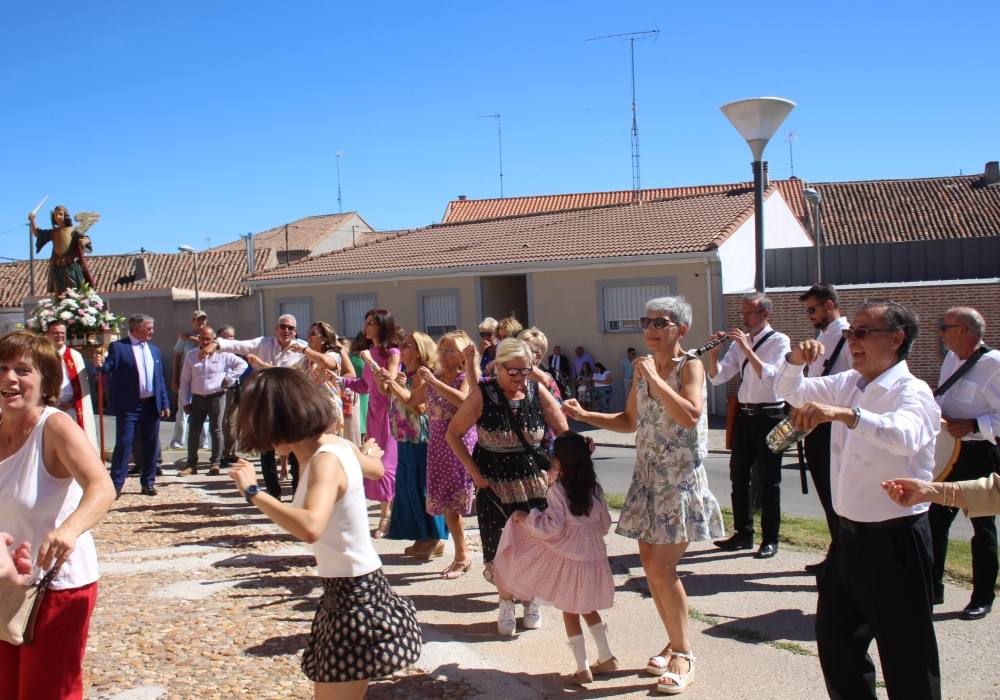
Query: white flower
x=65 y=315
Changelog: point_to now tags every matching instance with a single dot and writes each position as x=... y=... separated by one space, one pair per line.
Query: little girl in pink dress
x=558 y=556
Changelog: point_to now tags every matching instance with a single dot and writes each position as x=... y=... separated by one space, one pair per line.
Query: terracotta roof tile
x=890 y=211
x=679 y=225
x=303 y=234
x=220 y=271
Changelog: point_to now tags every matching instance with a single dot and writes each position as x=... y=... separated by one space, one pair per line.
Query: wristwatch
x=250 y=492
x=857 y=418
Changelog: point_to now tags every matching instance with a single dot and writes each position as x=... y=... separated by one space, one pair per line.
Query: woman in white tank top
x=53 y=489
x=362 y=630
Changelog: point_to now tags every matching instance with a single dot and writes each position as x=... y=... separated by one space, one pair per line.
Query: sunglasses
x=517 y=371
x=862 y=333
x=286 y=327
x=485 y=334
x=945 y=326
x=811 y=310
x=657 y=323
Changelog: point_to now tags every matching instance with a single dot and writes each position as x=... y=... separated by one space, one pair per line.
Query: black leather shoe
x=975 y=611
x=134 y=471
x=151 y=491
x=731 y=544
x=159 y=472
x=766 y=551
x=938 y=599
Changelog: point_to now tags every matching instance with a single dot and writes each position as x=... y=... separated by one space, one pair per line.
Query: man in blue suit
x=138 y=397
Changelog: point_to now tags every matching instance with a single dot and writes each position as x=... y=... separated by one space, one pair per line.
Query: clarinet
x=698 y=352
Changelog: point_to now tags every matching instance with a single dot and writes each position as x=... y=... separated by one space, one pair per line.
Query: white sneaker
x=507 y=618
x=532 y=619
x=176 y=446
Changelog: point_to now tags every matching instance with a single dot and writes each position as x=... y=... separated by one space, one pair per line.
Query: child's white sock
x=579 y=648
x=600 y=634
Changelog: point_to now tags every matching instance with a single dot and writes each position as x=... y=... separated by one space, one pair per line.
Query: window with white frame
x=624 y=304
x=438 y=311
x=300 y=308
x=353 y=308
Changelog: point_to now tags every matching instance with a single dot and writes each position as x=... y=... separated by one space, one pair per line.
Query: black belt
x=753 y=409
x=211 y=396
x=855 y=527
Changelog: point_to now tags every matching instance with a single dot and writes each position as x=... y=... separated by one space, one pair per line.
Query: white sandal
x=658 y=664
x=676 y=683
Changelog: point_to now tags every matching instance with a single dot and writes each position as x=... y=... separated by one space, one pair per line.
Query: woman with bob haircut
x=362 y=629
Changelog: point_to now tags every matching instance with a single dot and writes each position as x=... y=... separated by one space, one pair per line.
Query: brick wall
x=929 y=302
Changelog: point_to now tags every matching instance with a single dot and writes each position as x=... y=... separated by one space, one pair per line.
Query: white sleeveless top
x=344 y=549
x=33 y=503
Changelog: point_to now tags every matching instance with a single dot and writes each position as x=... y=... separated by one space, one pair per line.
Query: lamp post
x=757 y=119
x=813 y=197
x=194 y=262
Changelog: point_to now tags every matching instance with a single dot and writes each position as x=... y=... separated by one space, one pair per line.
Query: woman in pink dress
x=382 y=352
x=449 y=486
x=558 y=555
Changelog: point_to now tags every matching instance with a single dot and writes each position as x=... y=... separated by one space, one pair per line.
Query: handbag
x=19 y=605
x=540 y=458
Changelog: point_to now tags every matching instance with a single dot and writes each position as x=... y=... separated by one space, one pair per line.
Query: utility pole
x=499 y=145
x=632 y=37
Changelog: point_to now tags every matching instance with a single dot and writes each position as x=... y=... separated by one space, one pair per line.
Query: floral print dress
x=669 y=500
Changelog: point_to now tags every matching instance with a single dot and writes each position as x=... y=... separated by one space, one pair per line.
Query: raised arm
x=621 y=422
x=684 y=406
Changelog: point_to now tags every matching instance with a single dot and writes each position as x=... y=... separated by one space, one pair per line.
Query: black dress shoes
x=134 y=471
x=734 y=543
x=766 y=551
x=151 y=491
x=976 y=611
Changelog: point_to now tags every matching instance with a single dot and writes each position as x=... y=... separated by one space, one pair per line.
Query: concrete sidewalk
x=201 y=597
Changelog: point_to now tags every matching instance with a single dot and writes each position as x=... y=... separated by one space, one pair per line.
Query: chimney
x=462 y=197
x=250 y=256
x=141 y=271
x=991 y=174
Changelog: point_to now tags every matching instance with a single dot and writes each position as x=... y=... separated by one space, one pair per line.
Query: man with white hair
x=267 y=351
x=969 y=396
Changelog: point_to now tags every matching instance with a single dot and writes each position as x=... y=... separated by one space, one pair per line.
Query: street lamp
x=757 y=118
x=194 y=262
x=813 y=197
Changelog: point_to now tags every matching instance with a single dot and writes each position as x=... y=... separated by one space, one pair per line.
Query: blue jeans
x=146 y=419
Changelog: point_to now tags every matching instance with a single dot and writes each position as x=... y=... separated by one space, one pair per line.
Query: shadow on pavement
x=778 y=625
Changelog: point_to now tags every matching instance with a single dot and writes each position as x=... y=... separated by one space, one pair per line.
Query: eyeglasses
x=945 y=326
x=517 y=371
x=485 y=334
x=810 y=310
x=286 y=327
x=862 y=333
x=657 y=323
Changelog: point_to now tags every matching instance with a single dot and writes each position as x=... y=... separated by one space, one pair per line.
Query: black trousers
x=750 y=454
x=817 y=448
x=269 y=469
x=976 y=459
x=877 y=585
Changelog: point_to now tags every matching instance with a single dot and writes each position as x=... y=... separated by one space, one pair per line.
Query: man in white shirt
x=205 y=375
x=261 y=353
x=877 y=580
x=971 y=409
x=760 y=410
x=822 y=306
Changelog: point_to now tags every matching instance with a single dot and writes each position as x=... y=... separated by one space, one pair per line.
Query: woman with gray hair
x=669 y=504
x=510 y=414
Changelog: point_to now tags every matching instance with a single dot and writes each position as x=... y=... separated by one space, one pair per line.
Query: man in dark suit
x=138 y=397
x=559 y=365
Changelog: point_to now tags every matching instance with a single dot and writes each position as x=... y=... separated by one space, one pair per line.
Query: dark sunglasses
x=517 y=371
x=862 y=333
x=485 y=334
x=945 y=326
x=657 y=323
x=286 y=327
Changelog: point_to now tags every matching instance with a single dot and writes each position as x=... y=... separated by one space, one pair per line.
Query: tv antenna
x=499 y=145
x=791 y=137
x=632 y=37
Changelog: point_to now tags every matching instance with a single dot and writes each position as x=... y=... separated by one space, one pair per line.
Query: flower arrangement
x=82 y=310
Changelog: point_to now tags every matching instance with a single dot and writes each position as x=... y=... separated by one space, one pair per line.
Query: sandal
x=456 y=569
x=657 y=665
x=675 y=683
x=579 y=678
x=383 y=527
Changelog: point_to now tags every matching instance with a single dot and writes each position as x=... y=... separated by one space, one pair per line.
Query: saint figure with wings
x=67 y=267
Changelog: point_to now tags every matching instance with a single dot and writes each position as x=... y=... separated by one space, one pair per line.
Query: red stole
x=74 y=379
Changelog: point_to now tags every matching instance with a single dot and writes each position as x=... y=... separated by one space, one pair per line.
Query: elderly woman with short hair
x=510 y=414
x=669 y=504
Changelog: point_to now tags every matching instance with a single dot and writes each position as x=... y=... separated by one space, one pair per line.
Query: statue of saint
x=67 y=266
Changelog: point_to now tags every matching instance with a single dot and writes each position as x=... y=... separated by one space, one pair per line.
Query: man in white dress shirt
x=261 y=353
x=971 y=408
x=822 y=306
x=754 y=346
x=877 y=580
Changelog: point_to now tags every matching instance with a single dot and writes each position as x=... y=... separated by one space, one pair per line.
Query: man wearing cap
x=186 y=342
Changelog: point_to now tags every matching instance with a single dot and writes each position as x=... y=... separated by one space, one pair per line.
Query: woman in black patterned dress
x=507 y=473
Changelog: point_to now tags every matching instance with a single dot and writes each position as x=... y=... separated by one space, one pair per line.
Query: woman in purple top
x=382 y=352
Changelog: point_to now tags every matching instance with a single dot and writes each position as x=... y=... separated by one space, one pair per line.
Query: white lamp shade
x=757 y=118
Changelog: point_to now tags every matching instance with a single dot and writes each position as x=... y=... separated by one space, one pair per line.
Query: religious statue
x=67 y=266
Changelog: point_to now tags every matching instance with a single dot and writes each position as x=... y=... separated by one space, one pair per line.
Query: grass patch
x=615 y=501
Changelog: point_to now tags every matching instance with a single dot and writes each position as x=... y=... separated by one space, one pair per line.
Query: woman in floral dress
x=324 y=360
x=669 y=504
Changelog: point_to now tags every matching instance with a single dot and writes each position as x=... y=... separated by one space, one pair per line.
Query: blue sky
x=186 y=121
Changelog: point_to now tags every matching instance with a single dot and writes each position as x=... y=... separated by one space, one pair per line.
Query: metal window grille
x=352 y=314
x=625 y=304
x=440 y=313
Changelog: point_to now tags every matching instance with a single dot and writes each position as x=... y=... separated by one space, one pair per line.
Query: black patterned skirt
x=362 y=630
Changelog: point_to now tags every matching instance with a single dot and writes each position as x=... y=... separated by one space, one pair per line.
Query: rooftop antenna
x=791 y=137
x=340 y=202
x=499 y=145
x=632 y=37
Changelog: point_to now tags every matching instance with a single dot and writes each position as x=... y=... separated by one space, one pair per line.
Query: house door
x=505 y=295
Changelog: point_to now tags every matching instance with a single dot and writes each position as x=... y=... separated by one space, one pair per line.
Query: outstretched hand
x=573 y=409
x=908 y=492
x=806 y=352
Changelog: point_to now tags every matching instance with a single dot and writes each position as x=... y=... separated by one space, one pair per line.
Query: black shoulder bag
x=958 y=373
x=541 y=459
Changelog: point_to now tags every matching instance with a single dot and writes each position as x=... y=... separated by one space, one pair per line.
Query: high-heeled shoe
x=428 y=553
x=456 y=569
x=383 y=527
x=414 y=549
